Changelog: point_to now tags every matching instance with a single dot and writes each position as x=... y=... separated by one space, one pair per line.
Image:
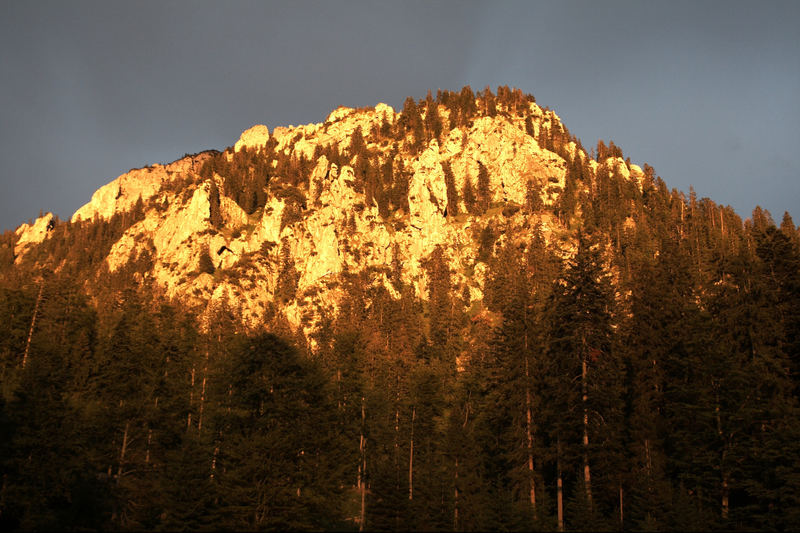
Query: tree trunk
x=202 y=395
x=362 y=469
x=559 y=488
x=411 y=457
x=397 y=454
x=123 y=450
x=191 y=401
x=455 y=500
x=529 y=431
x=725 y=489
x=339 y=389
x=202 y=399
x=214 y=461
x=149 y=439
x=587 y=476
x=33 y=324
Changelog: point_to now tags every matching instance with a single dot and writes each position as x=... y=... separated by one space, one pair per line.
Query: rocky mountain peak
x=276 y=220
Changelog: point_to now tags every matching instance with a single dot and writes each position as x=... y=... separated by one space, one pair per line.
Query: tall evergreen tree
x=452 y=192
x=484 y=192
x=584 y=374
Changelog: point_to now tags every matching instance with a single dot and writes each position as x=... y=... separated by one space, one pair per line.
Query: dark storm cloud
x=703 y=91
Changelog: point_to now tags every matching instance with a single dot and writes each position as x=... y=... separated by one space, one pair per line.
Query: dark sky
x=706 y=92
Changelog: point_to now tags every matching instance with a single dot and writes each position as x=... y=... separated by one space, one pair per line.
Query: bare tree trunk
x=123 y=450
x=397 y=454
x=587 y=476
x=33 y=324
x=529 y=417
x=455 y=500
x=682 y=221
x=149 y=439
x=202 y=395
x=362 y=469
x=649 y=465
x=529 y=428
x=725 y=490
x=559 y=488
x=214 y=461
x=191 y=401
x=725 y=487
x=339 y=388
x=411 y=457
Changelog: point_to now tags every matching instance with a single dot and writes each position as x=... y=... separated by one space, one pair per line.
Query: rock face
x=511 y=157
x=33 y=234
x=123 y=193
x=255 y=137
x=337 y=228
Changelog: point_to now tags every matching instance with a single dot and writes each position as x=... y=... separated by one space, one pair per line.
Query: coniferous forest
x=648 y=382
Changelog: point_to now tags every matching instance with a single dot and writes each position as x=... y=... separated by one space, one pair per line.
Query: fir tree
x=484 y=194
x=470 y=201
x=452 y=192
x=584 y=367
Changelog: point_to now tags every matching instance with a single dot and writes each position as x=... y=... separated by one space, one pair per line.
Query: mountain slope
x=363 y=190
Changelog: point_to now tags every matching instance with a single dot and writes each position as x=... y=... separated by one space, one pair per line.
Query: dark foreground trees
x=150 y=425
x=662 y=399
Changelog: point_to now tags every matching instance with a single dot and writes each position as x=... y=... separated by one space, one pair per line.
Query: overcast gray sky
x=704 y=91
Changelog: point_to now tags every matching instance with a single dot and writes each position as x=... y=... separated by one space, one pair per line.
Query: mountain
x=366 y=189
x=451 y=316
x=322 y=199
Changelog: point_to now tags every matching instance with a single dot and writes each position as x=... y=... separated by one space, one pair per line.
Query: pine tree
x=467 y=106
x=470 y=202
x=411 y=122
x=533 y=198
x=433 y=121
x=584 y=367
x=288 y=277
x=443 y=308
x=484 y=193
x=489 y=102
x=529 y=126
x=452 y=193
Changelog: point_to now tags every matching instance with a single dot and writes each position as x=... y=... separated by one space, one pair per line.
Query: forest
x=647 y=382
